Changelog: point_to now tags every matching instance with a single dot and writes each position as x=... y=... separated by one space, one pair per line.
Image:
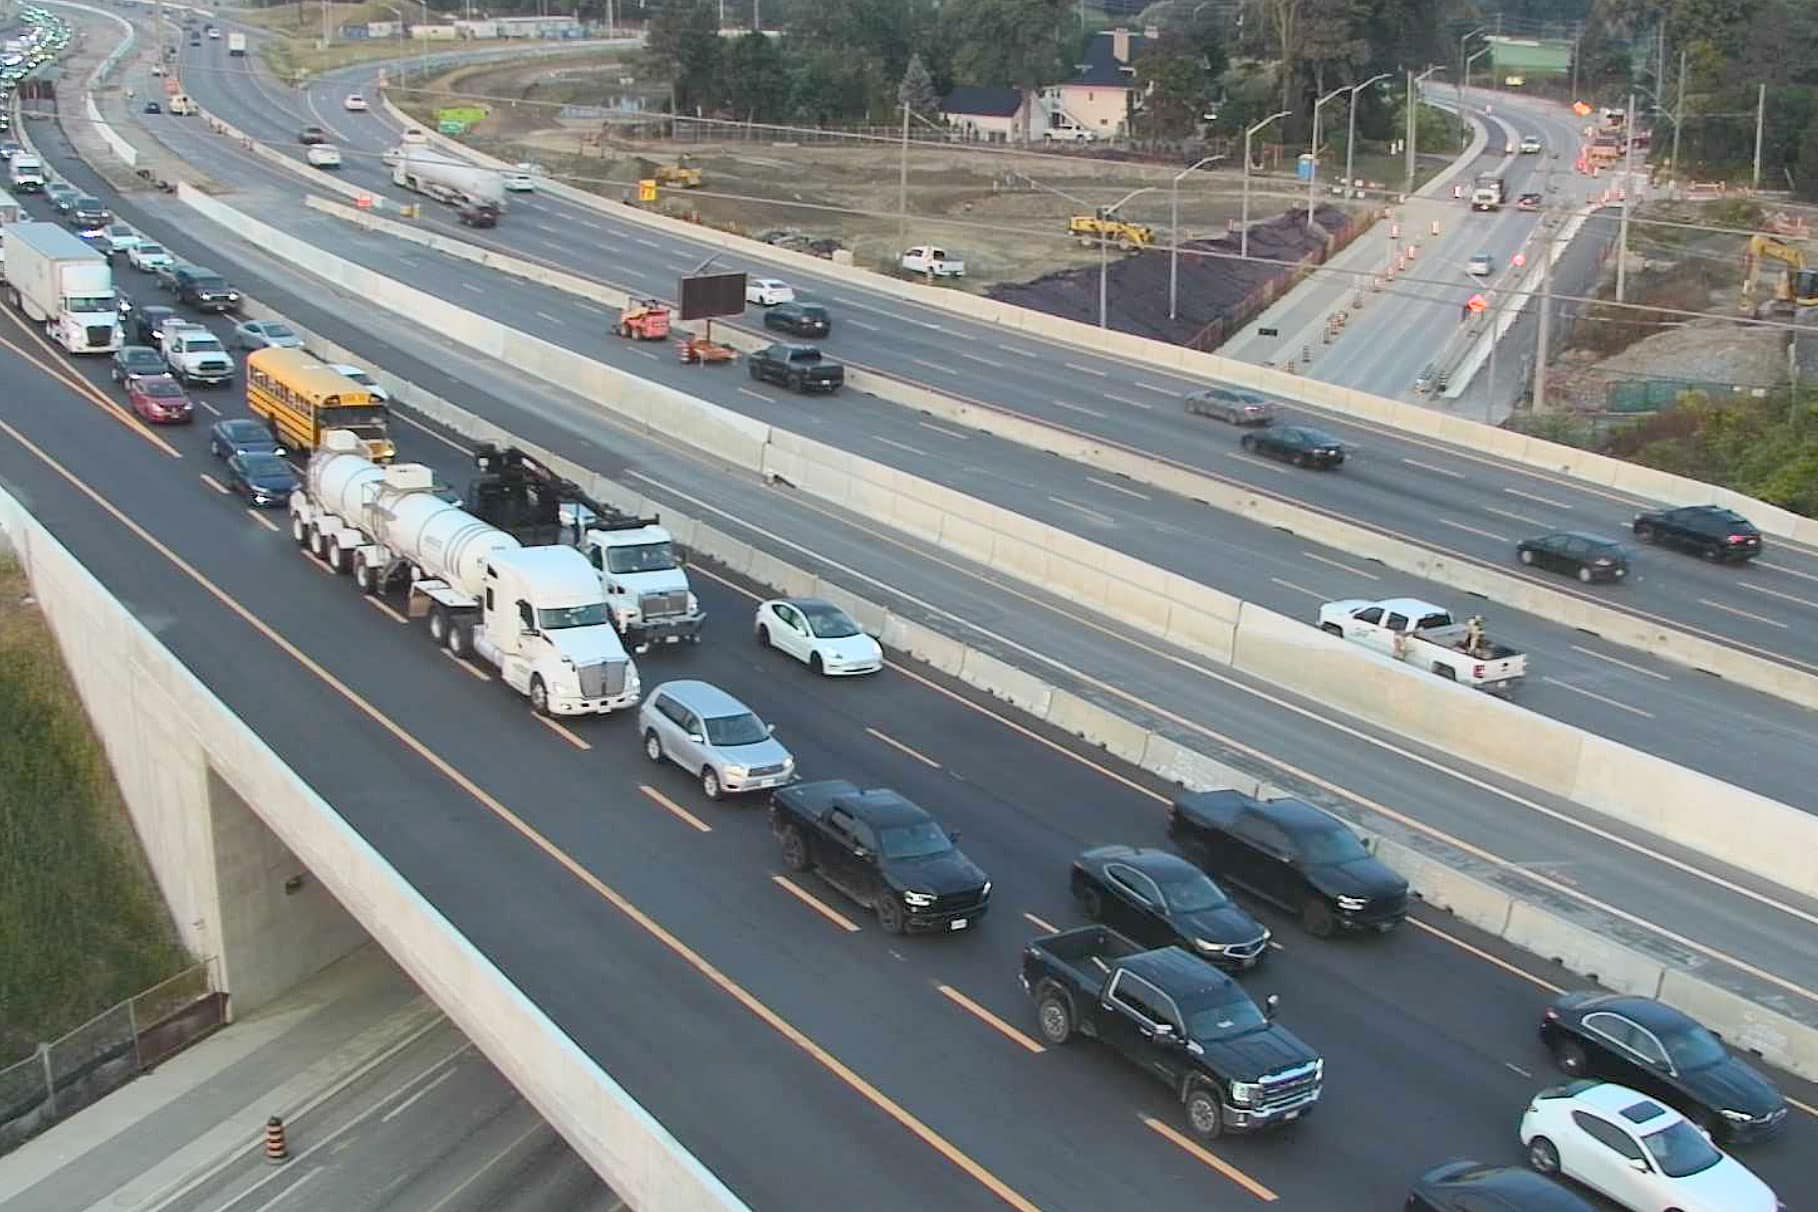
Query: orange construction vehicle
x=702 y=349
x=644 y=320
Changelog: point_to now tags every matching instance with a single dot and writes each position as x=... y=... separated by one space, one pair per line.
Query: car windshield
x=1335 y=845
x=1228 y=1011
x=201 y=344
x=259 y=465
x=207 y=281
x=1193 y=894
x=245 y=433
x=1681 y=1151
x=923 y=839
x=117 y=232
x=160 y=387
x=828 y=622
x=745 y=729
x=278 y=332
x=805 y=355
x=640 y=557
x=560 y=618
x=82 y=303
x=1692 y=1048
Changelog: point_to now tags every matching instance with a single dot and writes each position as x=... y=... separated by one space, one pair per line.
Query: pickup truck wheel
x=1316 y=917
x=1092 y=904
x=1644 y=532
x=889 y=912
x=795 y=850
x=753 y=368
x=539 y=696
x=1054 y=1016
x=1204 y=1114
x=796 y=382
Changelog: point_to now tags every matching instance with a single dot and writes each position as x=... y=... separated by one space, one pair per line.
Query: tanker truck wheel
x=298 y=531
x=335 y=556
x=318 y=542
x=460 y=640
x=365 y=579
x=438 y=625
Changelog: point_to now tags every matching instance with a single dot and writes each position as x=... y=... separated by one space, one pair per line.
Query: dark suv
x=87 y=214
x=1307 y=861
x=1711 y=531
x=205 y=290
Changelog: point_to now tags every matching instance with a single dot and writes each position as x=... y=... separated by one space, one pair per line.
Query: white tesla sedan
x=768 y=292
x=1639 y=1152
x=818 y=634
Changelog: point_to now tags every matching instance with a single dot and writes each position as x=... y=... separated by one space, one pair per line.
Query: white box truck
x=26 y=174
x=60 y=282
x=537 y=614
x=236 y=44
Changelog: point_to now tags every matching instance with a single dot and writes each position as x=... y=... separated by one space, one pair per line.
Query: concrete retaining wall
x=189 y=770
x=1408 y=418
x=1776 y=844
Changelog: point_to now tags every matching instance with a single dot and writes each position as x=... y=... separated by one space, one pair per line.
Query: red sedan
x=158 y=399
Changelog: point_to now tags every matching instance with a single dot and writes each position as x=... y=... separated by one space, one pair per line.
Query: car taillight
x=1739 y=538
x=1551 y=1015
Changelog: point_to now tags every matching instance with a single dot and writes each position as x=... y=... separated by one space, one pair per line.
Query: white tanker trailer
x=446 y=179
x=536 y=613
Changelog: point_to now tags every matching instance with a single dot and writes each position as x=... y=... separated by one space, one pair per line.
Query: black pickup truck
x=882 y=851
x=204 y=289
x=1177 y=1018
x=797 y=367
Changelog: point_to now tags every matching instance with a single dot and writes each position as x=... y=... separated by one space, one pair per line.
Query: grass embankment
x=296 y=49
x=82 y=925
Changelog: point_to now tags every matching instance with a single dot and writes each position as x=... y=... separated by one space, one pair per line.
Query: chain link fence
x=69 y=1073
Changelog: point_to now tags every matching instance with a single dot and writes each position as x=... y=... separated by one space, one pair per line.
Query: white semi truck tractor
x=537 y=614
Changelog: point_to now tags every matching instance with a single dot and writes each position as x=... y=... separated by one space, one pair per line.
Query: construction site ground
x=971 y=200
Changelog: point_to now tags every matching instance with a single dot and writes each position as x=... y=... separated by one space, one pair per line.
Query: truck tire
x=795 y=849
x=438 y=626
x=1205 y=1111
x=797 y=384
x=1053 y=1015
x=299 y=533
x=460 y=639
x=366 y=579
x=335 y=556
x=539 y=696
x=889 y=913
x=1316 y=917
x=753 y=368
x=314 y=543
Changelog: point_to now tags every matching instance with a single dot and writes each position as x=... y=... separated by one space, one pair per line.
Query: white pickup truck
x=1423 y=634
x=933 y=262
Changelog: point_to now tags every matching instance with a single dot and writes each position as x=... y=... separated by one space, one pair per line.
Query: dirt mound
x=1217 y=291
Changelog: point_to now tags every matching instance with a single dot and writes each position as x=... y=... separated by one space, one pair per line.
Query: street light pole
x=1414 y=83
x=1313 y=152
x=1243 y=237
x=1464 y=80
x=1351 y=130
x=1628 y=167
x=1174 y=240
x=1545 y=324
x=1104 y=254
x=1760 y=114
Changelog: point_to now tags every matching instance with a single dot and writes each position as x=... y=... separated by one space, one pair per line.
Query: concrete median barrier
x=1458 y=883
x=1401 y=700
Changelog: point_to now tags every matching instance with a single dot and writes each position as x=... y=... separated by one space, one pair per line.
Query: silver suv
x=707 y=732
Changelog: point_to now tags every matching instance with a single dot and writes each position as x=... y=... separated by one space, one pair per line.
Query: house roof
x=983 y=101
x=1102 y=67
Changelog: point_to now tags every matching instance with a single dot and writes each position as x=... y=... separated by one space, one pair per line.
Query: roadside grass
x=82 y=924
x=297 y=48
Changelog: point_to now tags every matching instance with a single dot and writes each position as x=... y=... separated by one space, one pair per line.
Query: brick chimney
x=1120 y=44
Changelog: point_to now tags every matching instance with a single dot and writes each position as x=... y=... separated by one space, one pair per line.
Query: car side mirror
x=953 y=836
x=769 y=729
x=696 y=737
x=1640 y=1165
x=861 y=854
x=1272 y=1006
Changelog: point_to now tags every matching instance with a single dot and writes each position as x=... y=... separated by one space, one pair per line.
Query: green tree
x=1020 y=43
x=1805 y=171
x=827 y=86
x=917 y=89
x=1177 y=85
x=683 y=39
x=756 y=78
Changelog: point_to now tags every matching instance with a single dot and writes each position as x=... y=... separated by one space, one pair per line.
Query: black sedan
x=137 y=360
x=1711 y=531
x=801 y=319
x=260 y=477
x=1298 y=445
x=1468 y=1186
x=1652 y=1048
x=238 y=435
x=1588 y=557
x=1161 y=900
x=148 y=324
x=1305 y=860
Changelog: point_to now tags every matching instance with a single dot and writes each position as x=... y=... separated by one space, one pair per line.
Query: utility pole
x=1678 y=115
x=902 y=182
x=1628 y=167
x=1545 y=323
x=1412 y=127
x=1760 y=116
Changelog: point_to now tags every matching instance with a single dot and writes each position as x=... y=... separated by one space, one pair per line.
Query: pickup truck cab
x=195 y=354
x=883 y=851
x=930 y=261
x=800 y=368
x=1177 y=1018
x=204 y=289
x=1425 y=635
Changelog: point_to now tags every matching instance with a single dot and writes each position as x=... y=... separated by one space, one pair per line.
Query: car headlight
x=736 y=772
x=694 y=604
x=986 y=890
x=918 y=900
x=1246 y=1093
x=1208 y=945
x=1351 y=904
x=789 y=763
x=1741 y=1117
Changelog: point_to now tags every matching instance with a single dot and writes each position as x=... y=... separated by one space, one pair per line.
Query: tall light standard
x=1475 y=55
x=1313 y=151
x=1174 y=241
x=1414 y=83
x=1464 y=70
x=1104 y=213
x=1351 y=131
x=1243 y=237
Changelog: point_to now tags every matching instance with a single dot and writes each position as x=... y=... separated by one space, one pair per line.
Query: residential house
x=1103 y=93
x=989 y=114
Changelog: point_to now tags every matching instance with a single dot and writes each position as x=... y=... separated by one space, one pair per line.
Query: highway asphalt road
x=1445 y=498
x=1430 y=1043
x=1684 y=909
x=1654 y=706
x=434 y=1128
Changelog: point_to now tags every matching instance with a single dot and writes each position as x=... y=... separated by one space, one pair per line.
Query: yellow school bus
x=300 y=398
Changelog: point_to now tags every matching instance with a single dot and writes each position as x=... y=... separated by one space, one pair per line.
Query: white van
x=26 y=173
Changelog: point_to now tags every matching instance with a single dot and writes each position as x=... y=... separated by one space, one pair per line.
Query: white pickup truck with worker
x=1426 y=635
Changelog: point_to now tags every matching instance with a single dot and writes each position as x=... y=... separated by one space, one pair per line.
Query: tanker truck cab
x=646 y=588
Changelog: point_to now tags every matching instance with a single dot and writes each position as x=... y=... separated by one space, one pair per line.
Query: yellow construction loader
x=1091 y=228
x=1797 y=287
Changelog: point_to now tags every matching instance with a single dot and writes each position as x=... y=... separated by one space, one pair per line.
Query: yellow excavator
x=1798 y=286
